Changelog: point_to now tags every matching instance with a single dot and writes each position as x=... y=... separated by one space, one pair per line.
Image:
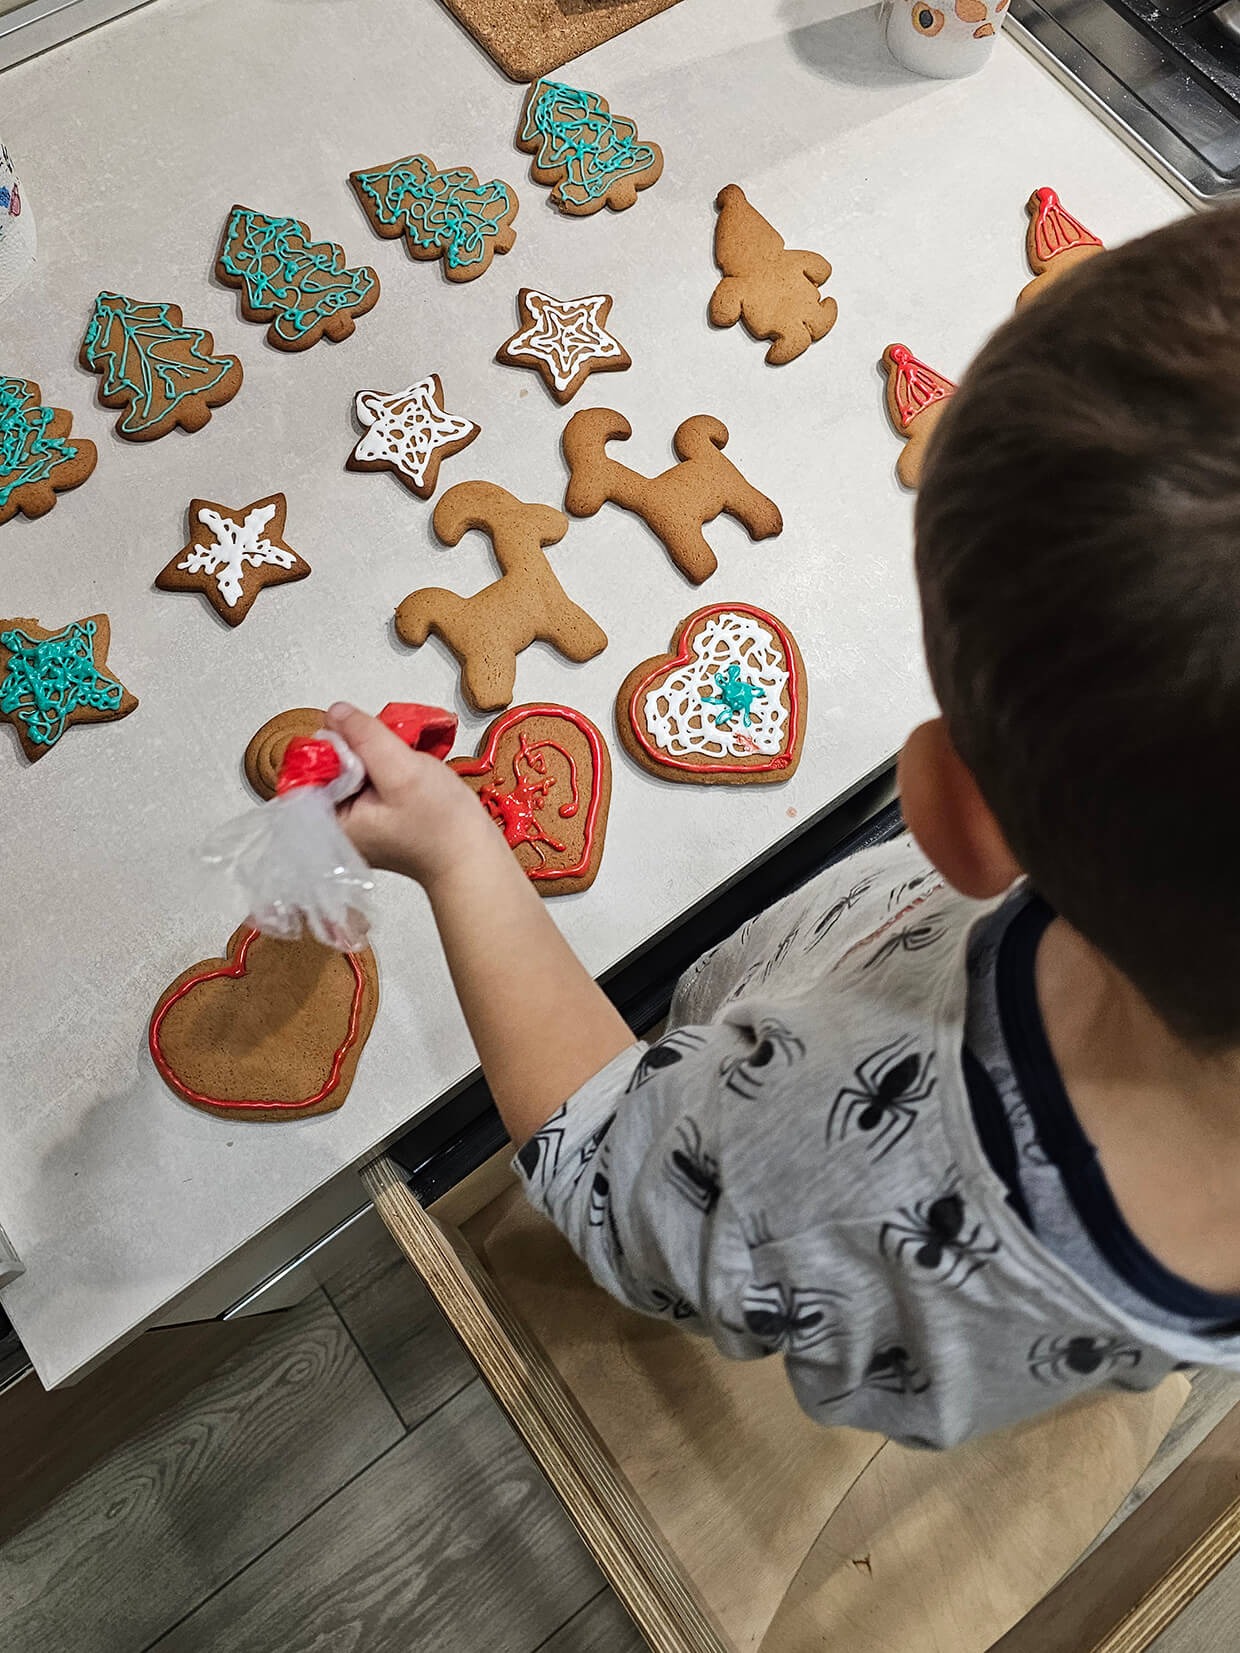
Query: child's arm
x=540 y=1024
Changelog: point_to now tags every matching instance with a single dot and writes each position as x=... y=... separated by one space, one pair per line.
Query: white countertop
x=132 y=143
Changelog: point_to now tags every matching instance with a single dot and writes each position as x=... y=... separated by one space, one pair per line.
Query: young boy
x=956 y=1130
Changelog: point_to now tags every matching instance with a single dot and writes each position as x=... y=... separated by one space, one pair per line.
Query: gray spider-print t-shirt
x=794 y=1169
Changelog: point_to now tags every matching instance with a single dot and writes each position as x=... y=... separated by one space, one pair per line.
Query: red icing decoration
x=780 y=760
x=236 y=969
x=1053 y=230
x=916 y=386
x=515 y=810
x=310 y=762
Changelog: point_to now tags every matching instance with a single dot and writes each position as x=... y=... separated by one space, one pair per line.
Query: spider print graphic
x=756 y=1231
x=833 y=914
x=913 y=938
x=787 y=1319
x=663 y=1300
x=692 y=1171
x=669 y=1050
x=1077 y=1355
x=882 y=1106
x=743 y=985
x=777 y=1047
x=540 y=1157
x=599 y=1213
x=780 y=953
x=590 y=1147
x=919 y=886
x=936 y=1237
x=890 y=1369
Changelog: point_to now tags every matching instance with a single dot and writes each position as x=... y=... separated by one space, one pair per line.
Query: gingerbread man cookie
x=487 y=631
x=448 y=215
x=265 y=753
x=409 y=432
x=37 y=458
x=565 y=340
x=916 y=398
x=589 y=156
x=674 y=506
x=304 y=289
x=51 y=679
x=769 y=287
x=1054 y=242
x=232 y=553
x=161 y=373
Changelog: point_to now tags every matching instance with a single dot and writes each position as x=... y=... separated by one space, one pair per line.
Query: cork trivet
x=529 y=38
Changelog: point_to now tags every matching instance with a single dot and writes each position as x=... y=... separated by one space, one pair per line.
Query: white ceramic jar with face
x=17 y=237
x=942 y=38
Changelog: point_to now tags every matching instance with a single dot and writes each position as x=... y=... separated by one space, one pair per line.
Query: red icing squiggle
x=1053 y=230
x=682 y=657
x=484 y=764
x=914 y=386
x=235 y=967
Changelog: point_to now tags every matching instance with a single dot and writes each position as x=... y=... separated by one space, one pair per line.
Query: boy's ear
x=948 y=816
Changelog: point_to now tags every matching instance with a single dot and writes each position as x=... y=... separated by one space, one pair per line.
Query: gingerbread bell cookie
x=727 y=705
x=160 y=372
x=1055 y=242
x=771 y=288
x=544 y=776
x=39 y=458
x=916 y=398
x=305 y=290
x=487 y=631
x=409 y=432
x=265 y=753
x=52 y=679
x=590 y=157
x=565 y=340
x=271 y=1031
x=676 y=504
x=232 y=553
x=450 y=215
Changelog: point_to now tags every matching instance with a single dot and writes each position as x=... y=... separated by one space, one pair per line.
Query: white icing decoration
x=681 y=724
x=406 y=427
x=565 y=335
x=237 y=545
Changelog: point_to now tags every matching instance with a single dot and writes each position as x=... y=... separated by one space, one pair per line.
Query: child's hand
x=414 y=815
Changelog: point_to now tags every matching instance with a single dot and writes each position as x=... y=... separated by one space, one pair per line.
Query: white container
x=17 y=237
x=944 y=40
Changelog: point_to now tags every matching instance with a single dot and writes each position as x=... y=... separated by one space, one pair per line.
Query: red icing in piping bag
x=310 y=762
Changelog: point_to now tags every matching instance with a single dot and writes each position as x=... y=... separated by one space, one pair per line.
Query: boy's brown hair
x=1078 y=552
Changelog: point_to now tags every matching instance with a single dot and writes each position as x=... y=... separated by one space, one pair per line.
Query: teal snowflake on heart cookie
x=450 y=215
x=592 y=157
x=37 y=459
x=303 y=288
x=735 y=695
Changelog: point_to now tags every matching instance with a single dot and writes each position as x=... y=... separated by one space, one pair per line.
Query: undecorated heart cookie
x=544 y=775
x=271 y=1031
x=727 y=705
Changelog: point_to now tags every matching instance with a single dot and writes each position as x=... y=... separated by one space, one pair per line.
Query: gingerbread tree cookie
x=487 y=631
x=409 y=432
x=589 y=156
x=769 y=287
x=37 y=458
x=675 y=505
x=565 y=340
x=1055 y=242
x=303 y=288
x=161 y=373
x=449 y=215
x=232 y=553
x=916 y=398
x=51 y=679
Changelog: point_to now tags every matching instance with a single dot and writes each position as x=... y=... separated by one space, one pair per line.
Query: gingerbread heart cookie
x=727 y=705
x=544 y=775
x=271 y=1031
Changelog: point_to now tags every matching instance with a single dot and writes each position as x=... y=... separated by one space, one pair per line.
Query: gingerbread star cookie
x=565 y=340
x=38 y=459
x=50 y=679
x=232 y=554
x=409 y=432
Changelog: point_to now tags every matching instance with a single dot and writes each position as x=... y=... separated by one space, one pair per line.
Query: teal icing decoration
x=735 y=696
x=146 y=355
x=287 y=278
x=46 y=682
x=450 y=212
x=27 y=453
x=576 y=131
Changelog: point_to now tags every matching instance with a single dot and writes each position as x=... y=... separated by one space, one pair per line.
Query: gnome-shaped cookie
x=1054 y=242
x=916 y=397
x=773 y=289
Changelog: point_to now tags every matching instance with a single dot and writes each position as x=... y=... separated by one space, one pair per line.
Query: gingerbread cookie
x=769 y=287
x=565 y=339
x=37 y=459
x=271 y=1031
x=303 y=288
x=1054 y=242
x=265 y=753
x=676 y=504
x=161 y=373
x=590 y=156
x=51 y=679
x=916 y=398
x=448 y=215
x=544 y=776
x=487 y=631
x=232 y=553
x=726 y=706
x=409 y=432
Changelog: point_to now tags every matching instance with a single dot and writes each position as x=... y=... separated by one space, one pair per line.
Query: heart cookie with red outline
x=544 y=775
x=726 y=706
x=271 y=1031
